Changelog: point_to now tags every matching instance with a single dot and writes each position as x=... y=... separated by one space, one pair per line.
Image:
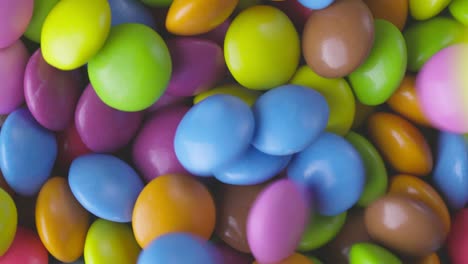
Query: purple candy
x=13 y=62
x=197 y=65
x=153 y=149
x=218 y=34
x=232 y=256
x=102 y=128
x=51 y=94
x=166 y=100
x=276 y=221
x=14 y=19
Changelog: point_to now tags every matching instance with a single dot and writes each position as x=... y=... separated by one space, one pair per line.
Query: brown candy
x=336 y=40
x=233 y=204
x=405 y=225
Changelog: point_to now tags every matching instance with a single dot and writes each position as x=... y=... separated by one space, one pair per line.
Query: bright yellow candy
x=62 y=223
x=246 y=95
x=110 y=242
x=74 y=31
x=338 y=94
x=262 y=48
x=8 y=221
x=425 y=9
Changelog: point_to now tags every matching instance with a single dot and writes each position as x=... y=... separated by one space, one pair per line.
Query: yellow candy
x=246 y=95
x=424 y=9
x=8 y=221
x=74 y=31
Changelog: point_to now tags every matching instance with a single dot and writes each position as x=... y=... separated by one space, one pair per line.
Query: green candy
x=314 y=259
x=459 y=10
x=321 y=230
x=133 y=68
x=367 y=253
x=376 y=174
x=41 y=10
x=157 y=3
x=424 y=39
x=381 y=74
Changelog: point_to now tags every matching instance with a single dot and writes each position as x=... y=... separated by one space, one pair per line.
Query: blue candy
x=332 y=171
x=316 y=4
x=130 y=11
x=288 y=119
x=27 y=152
x=179 y=248
x=213 y=133
x=451 y=169
x=252 y=168
x=105 y=185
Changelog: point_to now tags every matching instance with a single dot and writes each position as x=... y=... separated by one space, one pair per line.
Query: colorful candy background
x=233 y=131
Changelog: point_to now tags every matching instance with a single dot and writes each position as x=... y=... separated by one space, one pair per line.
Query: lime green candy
x=246 y=95
x=459 y=10
x=8 y=221
x=133 y=68
x=110 y=242
x=381 y=74
x=40 y=12
x=321 y=230
x=376 y=174
x=424 y=9
x=367 y=253
x=157 y=3
x=426 y=38
x=338 y=94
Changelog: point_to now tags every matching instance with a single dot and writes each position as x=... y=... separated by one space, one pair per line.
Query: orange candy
x=62 y=223
x=431 y=259
x=173 y=203
x=405 y=102
x=401 y=143
x=192 y=17
x=395 y=11
x=422 y=191
x=295 y=258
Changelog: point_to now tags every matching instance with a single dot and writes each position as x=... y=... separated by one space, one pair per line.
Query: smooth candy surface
x=74 y=31
x=457 y=242
x=262 y=48
x=41 y=9
x=459 y=10
x=62 y=223
x=173 y=203
x=130 y=11
x=112 y=71
x=442 y=88
x=394 y=11
x=153 y=149
x=51 y=94
x=333 y=172
x=252 y=168
x=451 y=169
x=277 y=131
x=157 y=3
x=376 y=173
x=179 y=248
x=280 y=207
x=14 y=19
x=26 y=248
x=213 y=133
x=110 y=242
x=70 y=147
x=321 y=230
x=337 y=93
x=28 y=152
x=422 y=10
x=334 y=50
x=316 y=4
x=115 y=187
x=8 y=221
x=198 y=64
x=14 y=59
x=295 y=258
x=367 y=253
x=101 y=127
x=381 y=73
x=247 y=95
x=232 y=256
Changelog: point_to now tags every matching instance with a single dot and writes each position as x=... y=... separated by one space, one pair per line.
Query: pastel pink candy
x=15 y=16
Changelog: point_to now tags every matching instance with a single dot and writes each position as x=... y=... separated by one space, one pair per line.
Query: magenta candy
x=198 y=64
x=276 y=221
x=51 y=94
x=102 y=128
x=457 y=241
x=14 y=19
x=153 y=149
x=13 y=63
x=167 y=100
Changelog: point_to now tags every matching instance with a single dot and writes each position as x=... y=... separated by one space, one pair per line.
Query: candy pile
x=233 y=131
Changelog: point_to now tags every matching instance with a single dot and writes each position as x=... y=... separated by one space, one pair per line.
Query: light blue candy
x=179 y=248
x=253 y=167
x=105 y=185
x=27 y=152
x=213 y=133
x=130 y=11
x=332 y=171
x=316 y=4
x=288 y=119
x=451 y=169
